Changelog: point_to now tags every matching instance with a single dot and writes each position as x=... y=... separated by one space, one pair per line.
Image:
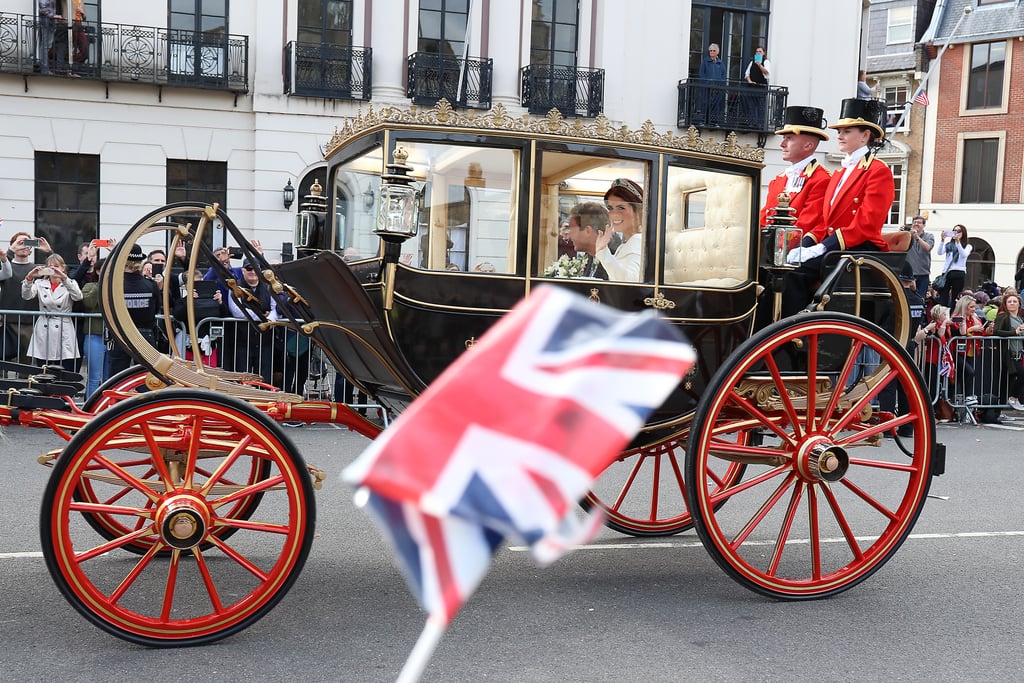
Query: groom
x=585 y=222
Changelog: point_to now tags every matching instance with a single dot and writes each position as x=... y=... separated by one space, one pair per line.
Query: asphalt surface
x=948 y=605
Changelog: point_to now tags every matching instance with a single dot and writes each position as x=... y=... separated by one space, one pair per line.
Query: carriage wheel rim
x=798 y=474
x=179 y=522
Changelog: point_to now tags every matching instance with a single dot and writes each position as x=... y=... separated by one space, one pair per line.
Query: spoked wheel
x=176 y=467
x=825 y=500
x=129 y=380
x=643 y=494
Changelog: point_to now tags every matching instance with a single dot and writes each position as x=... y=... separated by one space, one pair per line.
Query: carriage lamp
x=288 y=194
x=398 y=209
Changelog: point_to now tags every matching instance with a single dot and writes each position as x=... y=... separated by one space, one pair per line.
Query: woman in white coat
x=53 y=336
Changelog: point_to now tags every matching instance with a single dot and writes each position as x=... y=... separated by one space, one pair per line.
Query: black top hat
x=804 y=120
x=869 y=113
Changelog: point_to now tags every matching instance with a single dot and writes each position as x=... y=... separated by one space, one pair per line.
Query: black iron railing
x=572 y=91
x=464 y=83
x=330 y=71
x=732 y=105
x=123 y=52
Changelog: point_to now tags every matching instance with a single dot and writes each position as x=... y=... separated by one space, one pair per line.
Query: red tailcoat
x=807 y=201
x=861 y=208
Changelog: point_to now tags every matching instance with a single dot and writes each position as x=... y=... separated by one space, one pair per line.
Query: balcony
x=732 y=105
x=131 y=54
x=328 y=71
x=465 y=83
x=572 y=91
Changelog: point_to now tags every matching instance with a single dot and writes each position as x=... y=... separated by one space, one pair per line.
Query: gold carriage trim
x=764 y=392
x=498 y=119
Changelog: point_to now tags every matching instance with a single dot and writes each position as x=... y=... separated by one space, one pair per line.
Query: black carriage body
x=493 y=194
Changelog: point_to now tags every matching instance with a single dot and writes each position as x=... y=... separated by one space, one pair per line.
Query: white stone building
x=213 y=100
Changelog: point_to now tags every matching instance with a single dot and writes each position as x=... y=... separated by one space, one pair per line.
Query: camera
x=906 y=228
x=45 y=272
x=30 y=242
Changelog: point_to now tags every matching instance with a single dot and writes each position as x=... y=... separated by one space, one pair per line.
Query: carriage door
x=197 y=41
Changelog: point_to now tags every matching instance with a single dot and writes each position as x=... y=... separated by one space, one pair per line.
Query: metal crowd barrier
x=285 y=359
x=971 y=373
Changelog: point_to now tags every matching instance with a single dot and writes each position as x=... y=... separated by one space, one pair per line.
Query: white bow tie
x=849 y=161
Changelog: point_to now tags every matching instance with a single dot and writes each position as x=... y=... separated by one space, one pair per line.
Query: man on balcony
x=46 y=9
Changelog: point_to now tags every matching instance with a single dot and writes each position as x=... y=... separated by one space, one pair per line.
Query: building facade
x=974 y=148
x=213 y=100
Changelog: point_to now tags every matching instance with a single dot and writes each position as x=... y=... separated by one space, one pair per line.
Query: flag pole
x=423 y=651
x=931 y=67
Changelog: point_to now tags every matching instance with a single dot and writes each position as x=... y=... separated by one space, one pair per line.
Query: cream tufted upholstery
x=717 y=253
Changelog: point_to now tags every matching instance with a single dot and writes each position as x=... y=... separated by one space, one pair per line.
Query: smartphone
x=758 y=58
x=30 y=242
x=158 y=269
x=101 y=243
x=958 y=320
x=235 y=252
x=45 y=272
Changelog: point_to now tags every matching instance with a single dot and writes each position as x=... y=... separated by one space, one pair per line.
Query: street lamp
x=288 y=194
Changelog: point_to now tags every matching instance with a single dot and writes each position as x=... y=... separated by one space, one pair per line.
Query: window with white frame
x=897 y=208
x=985 y=78
x=895 y=97
x=979 y=170
x=900 y=25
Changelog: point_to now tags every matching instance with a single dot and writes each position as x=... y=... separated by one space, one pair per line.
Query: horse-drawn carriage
x=182 y=515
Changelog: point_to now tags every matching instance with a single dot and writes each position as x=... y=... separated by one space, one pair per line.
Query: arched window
x=981 y=266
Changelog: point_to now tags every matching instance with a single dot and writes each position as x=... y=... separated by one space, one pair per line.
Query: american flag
x=921 y=97
x=511 y=436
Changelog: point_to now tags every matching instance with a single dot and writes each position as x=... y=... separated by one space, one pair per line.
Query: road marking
x=660 y=545
x=800 y=541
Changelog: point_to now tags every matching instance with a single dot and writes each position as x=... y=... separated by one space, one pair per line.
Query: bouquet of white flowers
x=568 y=266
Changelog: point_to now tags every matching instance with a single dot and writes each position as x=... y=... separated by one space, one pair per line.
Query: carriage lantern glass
x=398 y=208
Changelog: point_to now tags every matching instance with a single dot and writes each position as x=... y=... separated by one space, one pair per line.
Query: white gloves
x=802 y=254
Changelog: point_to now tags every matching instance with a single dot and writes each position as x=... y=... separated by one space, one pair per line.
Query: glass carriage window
x=355 y=189
x=468 y=214
x=67 y=207
x=468 y=218
x=707 y=228
x=573 y=211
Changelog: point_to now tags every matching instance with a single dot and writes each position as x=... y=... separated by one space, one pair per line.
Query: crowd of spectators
x=40 y=298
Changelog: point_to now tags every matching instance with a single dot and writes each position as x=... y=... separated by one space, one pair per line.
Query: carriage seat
x=899 y=244
x=717 y=253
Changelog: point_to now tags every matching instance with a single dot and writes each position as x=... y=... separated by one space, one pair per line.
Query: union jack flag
x=511 y=436
x=946 y=367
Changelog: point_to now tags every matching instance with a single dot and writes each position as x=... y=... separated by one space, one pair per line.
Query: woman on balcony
x=756 y=75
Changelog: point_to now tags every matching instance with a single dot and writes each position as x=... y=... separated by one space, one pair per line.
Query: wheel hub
x=821 y=460
x=183 y=521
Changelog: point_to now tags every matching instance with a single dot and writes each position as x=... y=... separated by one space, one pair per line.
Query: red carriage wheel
x=825 y=500
x=129 y=380
x=642 y=493
x=177 y=467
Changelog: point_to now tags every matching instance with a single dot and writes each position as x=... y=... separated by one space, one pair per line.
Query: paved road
x=948 y=606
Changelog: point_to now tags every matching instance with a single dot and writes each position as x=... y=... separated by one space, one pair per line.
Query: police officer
x=141 y=296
